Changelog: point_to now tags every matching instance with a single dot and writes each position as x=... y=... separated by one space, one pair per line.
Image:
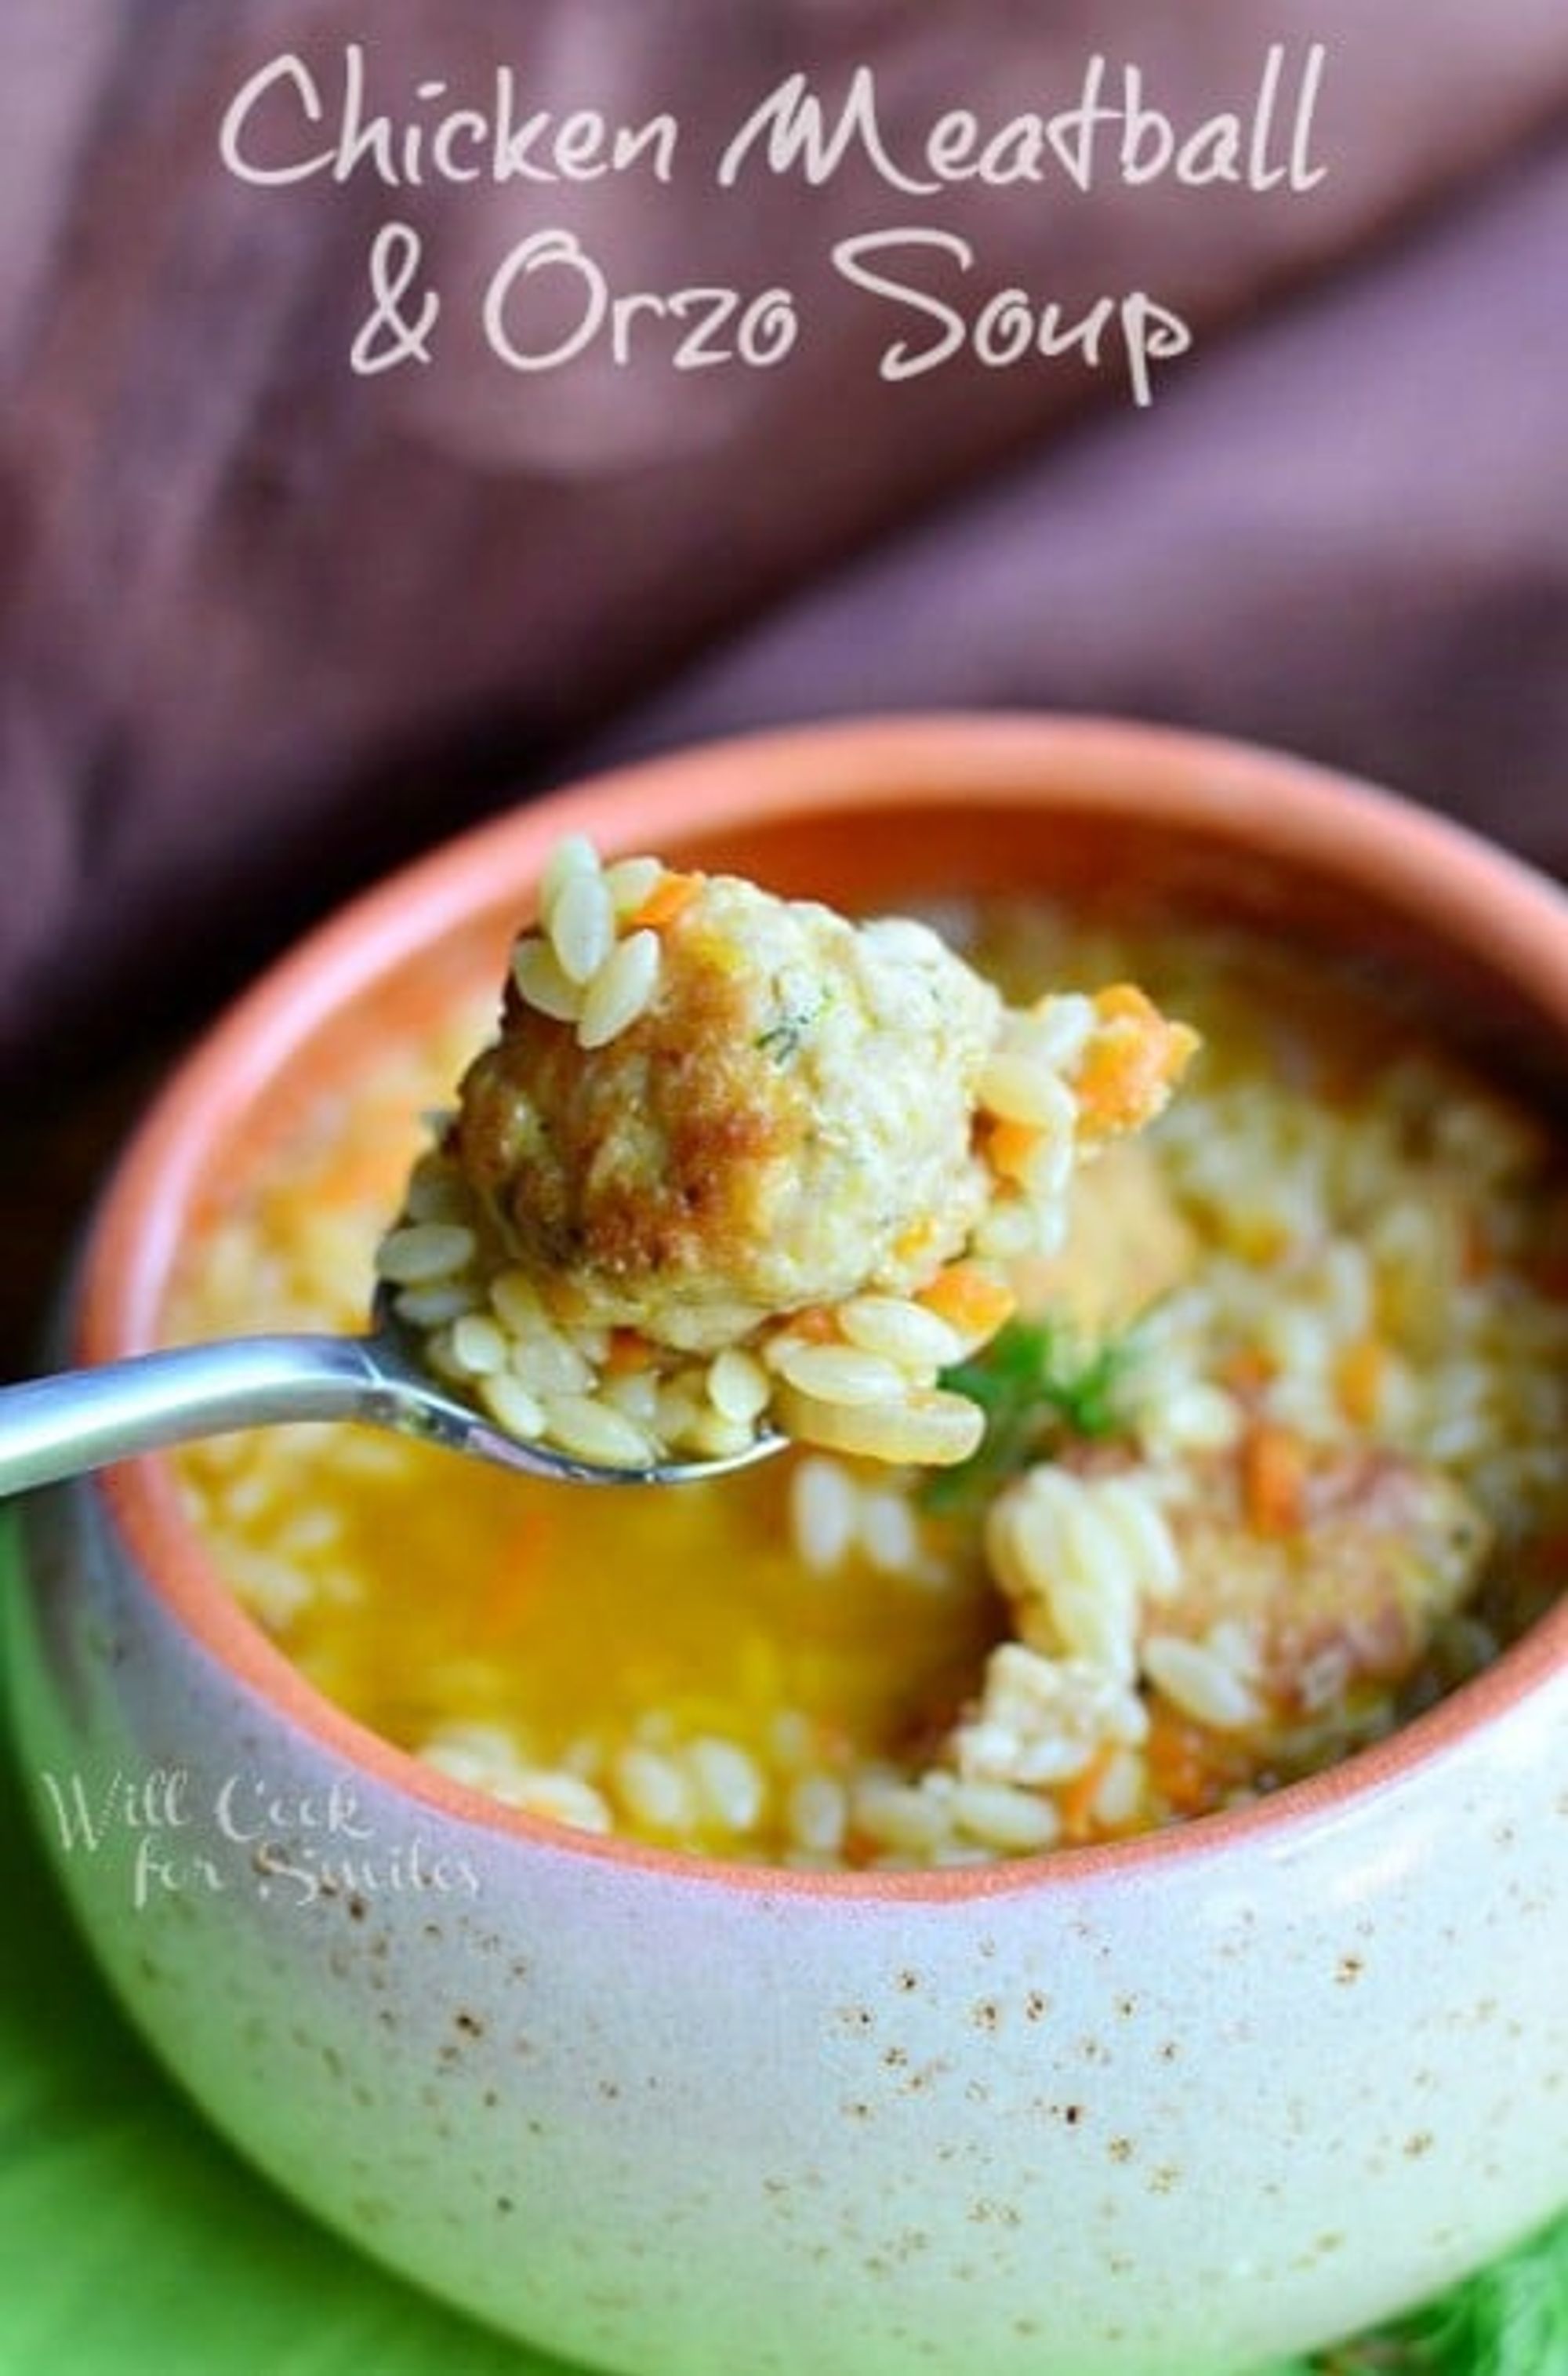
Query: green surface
x=132 y=2239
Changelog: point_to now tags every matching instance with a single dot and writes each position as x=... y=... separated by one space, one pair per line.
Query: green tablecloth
x=132 y=2239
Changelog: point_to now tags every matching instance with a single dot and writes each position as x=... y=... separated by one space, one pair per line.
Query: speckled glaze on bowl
x=1172 y=2107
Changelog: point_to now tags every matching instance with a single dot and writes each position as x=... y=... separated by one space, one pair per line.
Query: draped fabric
x=266 y=624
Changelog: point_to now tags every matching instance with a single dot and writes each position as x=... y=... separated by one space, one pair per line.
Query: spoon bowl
x=67 y=1425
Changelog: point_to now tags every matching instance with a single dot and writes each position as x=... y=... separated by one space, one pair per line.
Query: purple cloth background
x=265 y=627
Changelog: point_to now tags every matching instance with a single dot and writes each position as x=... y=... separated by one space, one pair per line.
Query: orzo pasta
x=734 y=1165
x=1276 y=1451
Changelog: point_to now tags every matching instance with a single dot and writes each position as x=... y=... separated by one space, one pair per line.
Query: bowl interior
x=1373 y=882
x=867 y=818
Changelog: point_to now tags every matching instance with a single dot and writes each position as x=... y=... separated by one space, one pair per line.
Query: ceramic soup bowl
x=1178 y=2104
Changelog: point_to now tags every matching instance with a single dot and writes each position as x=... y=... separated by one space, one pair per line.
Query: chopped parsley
x=1041 y=1389
x=785 y=1036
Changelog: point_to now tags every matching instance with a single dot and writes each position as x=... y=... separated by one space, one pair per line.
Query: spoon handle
x=57 y=1427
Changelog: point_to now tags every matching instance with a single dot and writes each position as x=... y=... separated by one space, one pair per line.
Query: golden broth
x=1374 y=1235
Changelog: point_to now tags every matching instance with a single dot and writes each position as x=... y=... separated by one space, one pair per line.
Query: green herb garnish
x=794 y=1018
x=1041 y=1389
x=782 y=1040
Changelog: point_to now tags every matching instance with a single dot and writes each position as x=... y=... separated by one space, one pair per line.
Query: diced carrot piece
x=1180 y=1761
x=513 y=1579
x=1077 y=1798
x=1274 y=1476
x=814 y=1325
x=1113 y=1073
x=629 y=1351
x=1129 y=1070
x=1125 y=998
x=970 y=1298
x=1009 y=1146
x=671 y=896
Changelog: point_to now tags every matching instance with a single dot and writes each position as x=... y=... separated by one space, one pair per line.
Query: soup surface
x=1276 y=1454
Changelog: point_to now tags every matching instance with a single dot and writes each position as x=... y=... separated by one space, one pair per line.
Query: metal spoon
x=61 y=1426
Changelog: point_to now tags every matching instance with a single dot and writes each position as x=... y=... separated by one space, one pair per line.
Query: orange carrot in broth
x=970 y=1298
x=1274 y=1478
x=1178 y=1757
x=815 y=1325
x=1127 y=1072
x=1009 y=1146
x=669 y=898
x=629 y=1352
x=510 y=1582
x=1125 y=998
x=1077 y=1798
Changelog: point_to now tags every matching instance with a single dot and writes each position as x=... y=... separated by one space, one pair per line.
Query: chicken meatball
x=734 y=1162
x=788 y=1121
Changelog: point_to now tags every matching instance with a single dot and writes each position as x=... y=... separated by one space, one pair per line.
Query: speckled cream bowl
x=1168 y=2108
